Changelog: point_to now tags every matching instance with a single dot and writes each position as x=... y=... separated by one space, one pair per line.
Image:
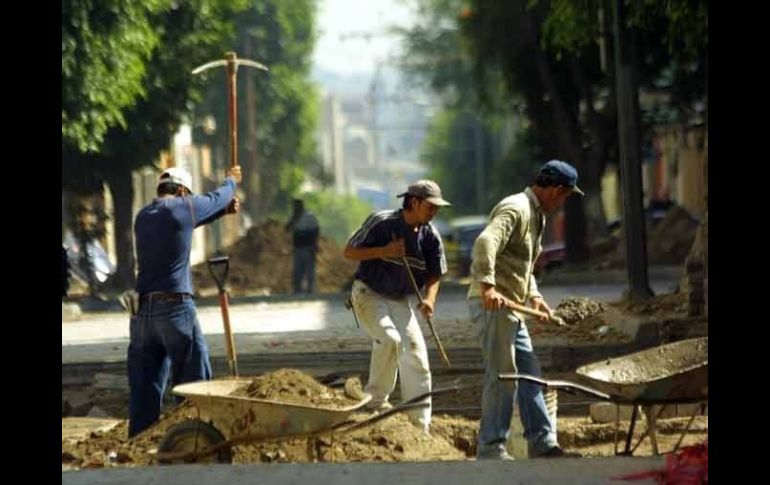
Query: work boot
x=378 y=407
x=558 y=452
x=494 y=452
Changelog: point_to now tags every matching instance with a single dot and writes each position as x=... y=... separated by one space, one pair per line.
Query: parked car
x=458 y=244
x=551 y=257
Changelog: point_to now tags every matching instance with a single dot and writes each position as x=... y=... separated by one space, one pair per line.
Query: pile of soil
x=592 y=329
x=295 y=387
x=261 y=263
x=392 y=439
x=574 y=309
x=664 y=306
x=586 y=322
x=668 y=242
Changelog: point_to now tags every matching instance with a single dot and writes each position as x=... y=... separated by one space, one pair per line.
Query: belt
x=164 y=296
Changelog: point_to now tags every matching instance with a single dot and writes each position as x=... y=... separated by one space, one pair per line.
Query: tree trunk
x=122 y=189
x=568 y=141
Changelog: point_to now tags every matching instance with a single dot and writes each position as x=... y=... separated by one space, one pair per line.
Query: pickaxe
x=232 y=63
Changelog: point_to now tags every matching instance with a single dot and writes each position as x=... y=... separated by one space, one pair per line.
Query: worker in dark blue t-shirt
x=165 y=335
x=381 y=287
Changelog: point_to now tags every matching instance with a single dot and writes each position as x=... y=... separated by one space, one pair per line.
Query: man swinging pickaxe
x=231 y=62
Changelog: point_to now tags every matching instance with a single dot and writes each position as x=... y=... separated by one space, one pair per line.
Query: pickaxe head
x=230 y=60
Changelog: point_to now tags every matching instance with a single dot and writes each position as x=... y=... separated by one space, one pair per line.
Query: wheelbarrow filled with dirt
x=675 y=373
x=226 y=420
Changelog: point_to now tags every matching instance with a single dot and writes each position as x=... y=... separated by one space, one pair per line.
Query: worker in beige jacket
x=504 y=256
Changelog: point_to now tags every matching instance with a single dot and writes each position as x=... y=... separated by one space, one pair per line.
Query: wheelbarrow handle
x=564 y=385
x=416 y=402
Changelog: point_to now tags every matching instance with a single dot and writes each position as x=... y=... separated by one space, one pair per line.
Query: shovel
x=219 y=266
x=558 y=321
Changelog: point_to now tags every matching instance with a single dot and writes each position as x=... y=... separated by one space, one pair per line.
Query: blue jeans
x=303 y=275
x=506 y=347
x=166 y=339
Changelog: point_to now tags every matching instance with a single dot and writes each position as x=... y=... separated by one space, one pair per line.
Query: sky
x=357 y=55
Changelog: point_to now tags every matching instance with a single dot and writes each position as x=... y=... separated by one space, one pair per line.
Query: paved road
x=298 y=326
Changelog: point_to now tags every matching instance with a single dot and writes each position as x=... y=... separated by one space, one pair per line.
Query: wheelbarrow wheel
x=194 y=435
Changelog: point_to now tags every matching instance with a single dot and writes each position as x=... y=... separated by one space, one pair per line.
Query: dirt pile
x=574 y=309
x=295 y=387
x=668 y=242
x=586 y=322
x=392 y=439
x=261 y=263
x=665 y=306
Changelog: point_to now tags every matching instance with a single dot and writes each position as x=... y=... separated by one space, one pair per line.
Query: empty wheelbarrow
x=675 y=373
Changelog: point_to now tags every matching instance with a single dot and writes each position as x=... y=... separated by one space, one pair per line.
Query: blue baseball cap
x=563 y=174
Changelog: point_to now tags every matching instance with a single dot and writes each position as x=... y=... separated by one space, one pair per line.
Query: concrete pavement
x=581 y=471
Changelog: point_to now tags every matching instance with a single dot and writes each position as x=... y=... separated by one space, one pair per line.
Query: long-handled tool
x=535 y=313
x=231 y=62
x=441 y=350
x=224 y=305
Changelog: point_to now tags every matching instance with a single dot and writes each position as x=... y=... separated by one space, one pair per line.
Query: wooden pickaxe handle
x=441 y=351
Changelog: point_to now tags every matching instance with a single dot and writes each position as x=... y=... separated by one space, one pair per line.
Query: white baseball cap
x=176 y=175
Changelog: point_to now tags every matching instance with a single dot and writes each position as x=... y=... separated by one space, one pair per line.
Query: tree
x=464 y=140
x=189 y=33
x=105 y=47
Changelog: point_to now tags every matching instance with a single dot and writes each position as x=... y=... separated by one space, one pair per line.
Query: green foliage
x=338 y=215
x=572 y=25
x=105 y=48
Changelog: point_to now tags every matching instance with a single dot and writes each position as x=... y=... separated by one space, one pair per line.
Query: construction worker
x=381 y=286
x=165 y=335
x=304 y=234
x=503 y=260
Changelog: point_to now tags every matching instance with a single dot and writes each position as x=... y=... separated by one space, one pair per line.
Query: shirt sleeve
x=212 y=205
x=435 y=258
x=369 y=234
x=490 y=243
x=533 y=290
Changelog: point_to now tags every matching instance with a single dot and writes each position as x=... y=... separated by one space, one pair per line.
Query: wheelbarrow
x=675 y=373
x=236 y=420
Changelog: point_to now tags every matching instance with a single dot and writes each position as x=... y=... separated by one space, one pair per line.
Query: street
x=294 y=326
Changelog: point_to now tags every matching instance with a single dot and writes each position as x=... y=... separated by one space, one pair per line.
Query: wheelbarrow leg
x=649 y=414
x=652 y=419
x=630 y=435
x=700 y=410
x=617 y=426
